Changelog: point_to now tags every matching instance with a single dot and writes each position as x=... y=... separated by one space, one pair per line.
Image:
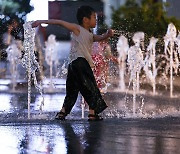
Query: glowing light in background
x=40 y=11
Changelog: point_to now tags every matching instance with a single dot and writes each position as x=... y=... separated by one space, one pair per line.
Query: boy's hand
x=110 y=32
x=36 y=24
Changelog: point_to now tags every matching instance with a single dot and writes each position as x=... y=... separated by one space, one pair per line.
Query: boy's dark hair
x=84 y=11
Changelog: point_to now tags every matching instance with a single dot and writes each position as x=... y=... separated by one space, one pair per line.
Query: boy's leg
x=88 y=86
x=72 y=91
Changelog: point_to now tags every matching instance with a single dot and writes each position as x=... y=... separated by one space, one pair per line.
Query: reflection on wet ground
x=155 y=128
x=80 y=136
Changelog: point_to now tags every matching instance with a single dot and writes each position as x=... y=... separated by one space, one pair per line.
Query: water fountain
x=13 y=57
x=135 y=62
x=51 y=57
x=155 y=131
x=138 y=39
x=150 y=63
x=57 y=65
x=29 y=61
x=171 y=53
x=134 y=56
x=122 y=49
x=156 y=115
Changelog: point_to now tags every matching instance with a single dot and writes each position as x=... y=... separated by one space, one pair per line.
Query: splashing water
x=30 y=63
x=150 y=63
x=64 y=69
x=122 y=49
x=138 y=39
x=170 y=53
x=51 y=56
x=135 y=62
x=169 y=61
x=13 y=57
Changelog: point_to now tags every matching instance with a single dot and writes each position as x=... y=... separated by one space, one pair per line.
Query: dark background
x=66 y=10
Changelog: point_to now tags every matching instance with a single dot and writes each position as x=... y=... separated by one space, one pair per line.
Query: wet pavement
x=154 y=129
x=116 y=136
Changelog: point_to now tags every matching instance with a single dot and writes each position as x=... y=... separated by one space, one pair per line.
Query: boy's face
x=92 y=20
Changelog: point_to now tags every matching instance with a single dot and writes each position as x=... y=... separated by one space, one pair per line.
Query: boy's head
x=86 y=15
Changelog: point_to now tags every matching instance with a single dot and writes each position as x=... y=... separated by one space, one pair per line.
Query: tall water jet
x=170 y=52
x=13 y=56
x=51 y=56
x=29 y=61
x=138 y=40
x=150 y=63
x=135 y=62
x=122 y=49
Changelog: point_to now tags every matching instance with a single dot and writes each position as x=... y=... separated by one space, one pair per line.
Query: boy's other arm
x=70 y=26
x=108 y=34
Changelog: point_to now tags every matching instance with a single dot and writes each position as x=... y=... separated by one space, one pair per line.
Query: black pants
x=80 y=78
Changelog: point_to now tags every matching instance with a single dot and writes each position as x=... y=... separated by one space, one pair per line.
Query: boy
x=80 y=77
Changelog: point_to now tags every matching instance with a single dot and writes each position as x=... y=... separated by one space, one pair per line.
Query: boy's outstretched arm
x=70 y=26
x=108 y=34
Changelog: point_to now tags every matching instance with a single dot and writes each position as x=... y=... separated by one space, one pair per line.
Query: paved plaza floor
x=111 y=136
